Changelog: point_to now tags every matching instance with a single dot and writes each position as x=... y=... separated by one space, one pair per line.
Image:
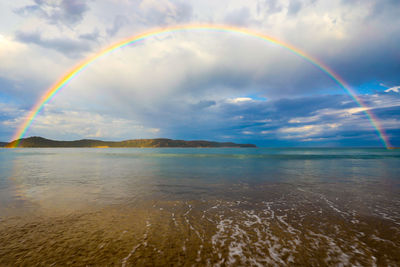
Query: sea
x=199 y=207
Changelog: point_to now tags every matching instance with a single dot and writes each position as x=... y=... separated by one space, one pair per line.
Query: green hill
x=159 y=142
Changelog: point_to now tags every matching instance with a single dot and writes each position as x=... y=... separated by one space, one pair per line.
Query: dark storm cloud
x=68 y=47
x=68 y=12
x=374 y=57
x=371 y=50
x=305 y=106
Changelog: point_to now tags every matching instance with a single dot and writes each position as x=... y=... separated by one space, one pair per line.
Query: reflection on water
x=199 y=206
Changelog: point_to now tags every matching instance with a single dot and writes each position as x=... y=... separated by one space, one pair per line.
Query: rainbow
x=61 y=83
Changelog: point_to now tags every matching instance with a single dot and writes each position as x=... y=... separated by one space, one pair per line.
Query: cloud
x=387 y=9
x=294 y=7
x=65 y=12
x=25 y=73
x=394 y=89
x=10 y=118
x=164 y=12
x=118 y=23
x=304 y=131
x=66 y=46
x=240 y=99
x=202 y=104
x=240 y=17
x=75 y=124
x=274 y=6
x=327 y=118
x=91 y=36
x=342 y=42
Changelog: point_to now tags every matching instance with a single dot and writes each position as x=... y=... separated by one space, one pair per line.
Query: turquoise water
x=200 y=206
x=97 y=176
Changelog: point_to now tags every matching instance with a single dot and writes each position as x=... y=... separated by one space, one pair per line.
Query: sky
x=203 y=84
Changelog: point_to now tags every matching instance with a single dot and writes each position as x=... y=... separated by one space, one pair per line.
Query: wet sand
x=269 y=224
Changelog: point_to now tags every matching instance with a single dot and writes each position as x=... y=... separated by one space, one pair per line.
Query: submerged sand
x=275 y=224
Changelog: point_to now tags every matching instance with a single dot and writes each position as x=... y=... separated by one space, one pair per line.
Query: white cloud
x=83 y=124
x=304 y=119
x=266 y=132
x=240 y=99
x=308 y=130
x=27 y=68
x=393 y=89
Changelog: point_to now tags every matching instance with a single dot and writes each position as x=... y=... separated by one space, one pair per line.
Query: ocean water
x=200 y=206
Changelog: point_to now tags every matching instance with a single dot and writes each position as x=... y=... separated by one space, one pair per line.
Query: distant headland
x=37 y=141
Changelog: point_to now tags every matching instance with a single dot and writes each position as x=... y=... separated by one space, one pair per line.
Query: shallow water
x=200 y=206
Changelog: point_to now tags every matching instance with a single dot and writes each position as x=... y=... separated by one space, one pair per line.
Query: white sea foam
x=124 y=260
x=144 y=243
x=335 y=253
x=173 y=219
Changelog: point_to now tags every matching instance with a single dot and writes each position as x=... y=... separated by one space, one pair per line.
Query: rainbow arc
x=63 y=82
